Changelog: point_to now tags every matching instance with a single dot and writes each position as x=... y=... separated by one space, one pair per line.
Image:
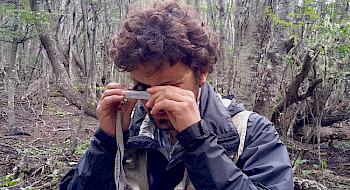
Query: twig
x=6 y=145
x=17 y=185
x=35 y=183
x=36 y=171
x=34 y=141
x=9 y=137
x=46 y=185
x=66 y=129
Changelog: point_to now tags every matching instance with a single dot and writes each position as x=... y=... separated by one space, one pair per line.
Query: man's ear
x=203 y=77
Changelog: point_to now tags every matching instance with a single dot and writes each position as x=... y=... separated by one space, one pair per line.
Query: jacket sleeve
x=95 y=168
x=264 y=163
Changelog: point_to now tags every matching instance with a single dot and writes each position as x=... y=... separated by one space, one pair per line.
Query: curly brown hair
x=166 y=33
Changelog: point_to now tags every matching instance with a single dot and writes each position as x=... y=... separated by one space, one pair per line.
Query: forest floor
x=40 y=160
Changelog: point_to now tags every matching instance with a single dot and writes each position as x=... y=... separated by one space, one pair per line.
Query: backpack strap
x=240 y=120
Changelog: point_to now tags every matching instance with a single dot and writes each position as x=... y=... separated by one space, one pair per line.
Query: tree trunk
x=85 y=33
x=327 y=134
x=71 y=35
x=62 y=78
x=11 y=78
x=196 y=2
x=21 y=66
x=230 y=31
x=212 y=15
x=250 y=37
x=222 y=74
x=259 y=52
x=11 y=86
x=107 y=65
x=89 y=77
x=336 y=113
x=276 y=72
x=93 y=52
x=2 y=70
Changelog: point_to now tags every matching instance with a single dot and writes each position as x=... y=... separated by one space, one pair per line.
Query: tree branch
x=292 y=92
x=310 y=90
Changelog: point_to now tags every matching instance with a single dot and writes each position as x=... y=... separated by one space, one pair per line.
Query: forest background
x=285 y=59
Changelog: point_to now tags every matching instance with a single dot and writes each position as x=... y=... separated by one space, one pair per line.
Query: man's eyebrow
x=138 y=82
x=135 y=80
x=161 y=84
x=169 y=81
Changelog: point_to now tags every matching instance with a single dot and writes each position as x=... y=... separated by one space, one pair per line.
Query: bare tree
x=196 y=2
x=11 y=84
x=2 y=69
x=222 y=73
x=212 y=14
x=87 y=81
x=64 y=83
x=11 y=76
x=107 y=66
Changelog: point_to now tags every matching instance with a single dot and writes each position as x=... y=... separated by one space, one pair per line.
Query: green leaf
x=300 y=161
x=306 y=173
x=55 y=171
x=324 y=163
x=13 y=182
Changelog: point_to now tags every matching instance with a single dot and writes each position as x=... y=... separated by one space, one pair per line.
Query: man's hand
x=179 y=104
x=109 y=105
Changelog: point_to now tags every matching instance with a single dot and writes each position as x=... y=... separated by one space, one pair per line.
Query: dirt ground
x=40 y=160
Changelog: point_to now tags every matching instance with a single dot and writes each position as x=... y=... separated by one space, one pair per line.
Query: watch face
x=141 y=87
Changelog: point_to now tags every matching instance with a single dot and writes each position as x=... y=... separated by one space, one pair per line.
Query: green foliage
x=53 y=174
x=325 y=30
x=306 y=173
x=8 y=181
x=324 y=163
x=23 y=17
x=41 y=150
x=82 y=147
x=100 y=88
x=55 y=109
x=300 y=161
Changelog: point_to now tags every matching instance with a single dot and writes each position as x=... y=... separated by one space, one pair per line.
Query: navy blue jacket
x=205 y=146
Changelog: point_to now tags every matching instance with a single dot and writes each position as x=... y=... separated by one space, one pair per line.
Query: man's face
x=179 y=75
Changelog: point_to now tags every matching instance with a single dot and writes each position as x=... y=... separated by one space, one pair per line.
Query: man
x=183 y=136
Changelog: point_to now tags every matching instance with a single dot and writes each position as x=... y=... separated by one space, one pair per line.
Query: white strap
x=119 y=175
x=241 y=121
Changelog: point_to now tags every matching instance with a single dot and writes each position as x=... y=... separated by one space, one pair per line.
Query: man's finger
x=110 y=92
x=173 y=96
x=155 y=89
x=110 y=100
x=117 y=86
x=165 y=104
x=168 y=92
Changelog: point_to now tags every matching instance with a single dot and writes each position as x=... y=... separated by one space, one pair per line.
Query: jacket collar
x=212 y=110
